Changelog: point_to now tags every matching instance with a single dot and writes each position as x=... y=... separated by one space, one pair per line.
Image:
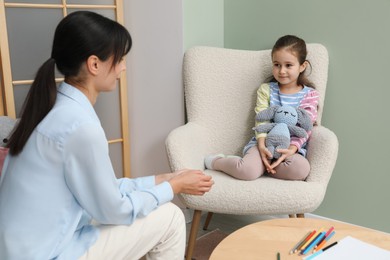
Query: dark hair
x=297 y=46
x=78 y=36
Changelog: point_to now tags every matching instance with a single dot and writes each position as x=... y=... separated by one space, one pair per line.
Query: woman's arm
x=92 y=181
x=193 y=182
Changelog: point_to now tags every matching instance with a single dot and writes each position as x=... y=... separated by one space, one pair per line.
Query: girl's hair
x=78 y=36
x=296 y=46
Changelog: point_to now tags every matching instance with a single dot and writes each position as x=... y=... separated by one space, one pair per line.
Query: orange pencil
x=320 y=245
x=318 y=248
x=304 y=241
x=326 y=235
x=311 y=239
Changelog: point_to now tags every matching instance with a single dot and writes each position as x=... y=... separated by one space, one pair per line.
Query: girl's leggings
x=251 y=166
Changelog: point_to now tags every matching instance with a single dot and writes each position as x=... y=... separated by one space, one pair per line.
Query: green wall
x=203 y=23
x=356 y=36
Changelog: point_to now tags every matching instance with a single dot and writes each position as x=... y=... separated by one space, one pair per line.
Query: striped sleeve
x=262 y=102
x=310 y=104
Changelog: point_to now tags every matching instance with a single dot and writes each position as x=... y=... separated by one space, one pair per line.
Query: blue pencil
x=320 y=251
x=313 y=255
x=321 y=244
x=313 y=243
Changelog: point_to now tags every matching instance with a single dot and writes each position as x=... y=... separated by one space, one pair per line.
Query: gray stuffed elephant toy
x=286 y=121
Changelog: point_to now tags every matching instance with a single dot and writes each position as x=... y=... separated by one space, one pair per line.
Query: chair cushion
x=265 y=195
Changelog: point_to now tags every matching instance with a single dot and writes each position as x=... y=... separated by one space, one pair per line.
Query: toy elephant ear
x=266 y=114
x=304 y=119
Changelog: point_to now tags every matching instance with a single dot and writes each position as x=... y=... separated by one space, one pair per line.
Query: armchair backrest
x=220 y=90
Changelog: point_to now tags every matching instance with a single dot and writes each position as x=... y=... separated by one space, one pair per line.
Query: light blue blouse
x=61 y=180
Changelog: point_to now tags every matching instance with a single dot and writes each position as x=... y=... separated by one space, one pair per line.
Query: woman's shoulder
x=64 y=120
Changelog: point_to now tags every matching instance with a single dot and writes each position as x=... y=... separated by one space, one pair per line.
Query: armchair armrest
x=322 y=154
x=186 y=147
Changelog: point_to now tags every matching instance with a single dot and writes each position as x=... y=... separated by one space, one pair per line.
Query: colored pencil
x=311 y=239
x=278 y=256
x=320 y=245
x=326 y=248
x=329 y=231
x=303 y=242
x=326 y=235
x=313 y=243
x=313 y=255
x=320 y=251
x=300 y=242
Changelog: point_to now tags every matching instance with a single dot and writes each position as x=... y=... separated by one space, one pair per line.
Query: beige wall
x=154 y=66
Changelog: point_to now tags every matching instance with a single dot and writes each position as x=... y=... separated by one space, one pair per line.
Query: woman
x=58 y=175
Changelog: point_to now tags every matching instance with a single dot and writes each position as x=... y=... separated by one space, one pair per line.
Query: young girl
x=58 y=176
x=289 y=86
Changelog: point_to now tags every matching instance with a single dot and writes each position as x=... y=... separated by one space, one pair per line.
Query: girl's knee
x=293 y=175
x=249 y=173
x=299 y=174
x=294 y=168
x=239 y=168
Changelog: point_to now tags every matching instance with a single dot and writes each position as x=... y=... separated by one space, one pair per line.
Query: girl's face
x=286 y=68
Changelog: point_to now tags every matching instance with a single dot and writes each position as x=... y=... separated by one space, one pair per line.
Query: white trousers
x=160 y=235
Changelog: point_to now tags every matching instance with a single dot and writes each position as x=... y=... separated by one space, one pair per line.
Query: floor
x=225 y=223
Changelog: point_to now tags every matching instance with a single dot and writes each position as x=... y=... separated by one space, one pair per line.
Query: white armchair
x=220 y=94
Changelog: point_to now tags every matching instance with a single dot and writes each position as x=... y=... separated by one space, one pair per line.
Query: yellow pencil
x=304 y=242
x=300 y=242
x=311 y=239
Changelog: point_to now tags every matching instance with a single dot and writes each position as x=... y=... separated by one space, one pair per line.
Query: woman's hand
x=285 y=153
x=192 y=182
x=167 y=176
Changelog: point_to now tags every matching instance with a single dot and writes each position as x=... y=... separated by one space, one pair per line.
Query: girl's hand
x=264 y=154
x=285 y=153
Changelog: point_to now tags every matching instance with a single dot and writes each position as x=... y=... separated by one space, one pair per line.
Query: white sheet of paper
x=352 y=248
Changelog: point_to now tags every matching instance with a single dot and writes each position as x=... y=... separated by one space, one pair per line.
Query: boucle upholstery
x=220 y=94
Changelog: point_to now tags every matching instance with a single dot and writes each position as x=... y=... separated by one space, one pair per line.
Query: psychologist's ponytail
x=78 y=36
x=40 y=100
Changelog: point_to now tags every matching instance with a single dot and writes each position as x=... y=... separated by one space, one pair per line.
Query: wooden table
x=262 y=240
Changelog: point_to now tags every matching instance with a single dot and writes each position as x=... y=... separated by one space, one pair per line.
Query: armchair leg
x=193 y=234
x=298 y=215
x=208 y=219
